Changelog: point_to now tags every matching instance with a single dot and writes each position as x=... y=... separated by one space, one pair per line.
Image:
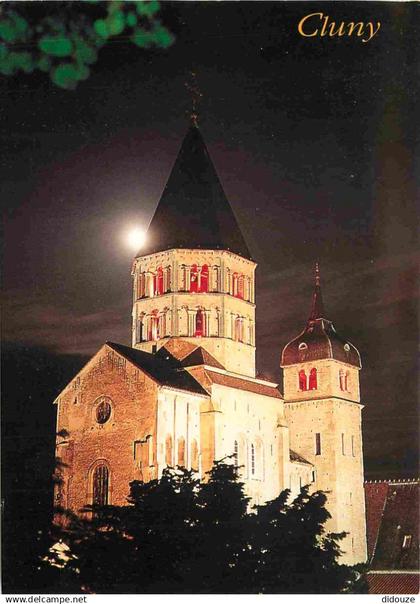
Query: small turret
x=319 y=340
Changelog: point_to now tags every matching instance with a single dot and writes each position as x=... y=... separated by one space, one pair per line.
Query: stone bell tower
x=323 y=410
x=194 y=279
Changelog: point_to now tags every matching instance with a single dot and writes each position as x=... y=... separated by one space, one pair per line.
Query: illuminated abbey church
x=187 y=392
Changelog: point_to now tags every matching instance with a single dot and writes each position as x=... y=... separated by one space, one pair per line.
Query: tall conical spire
x=193 y=211
x=317 y=309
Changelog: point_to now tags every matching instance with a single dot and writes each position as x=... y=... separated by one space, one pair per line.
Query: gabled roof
x=193 y=211
x=200 y=356
x=165 y=370
x=295 y=457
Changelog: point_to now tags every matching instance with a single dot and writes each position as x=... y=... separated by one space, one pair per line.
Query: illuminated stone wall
x=227 y=306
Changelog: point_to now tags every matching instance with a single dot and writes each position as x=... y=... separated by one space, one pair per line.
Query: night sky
x=314 y=142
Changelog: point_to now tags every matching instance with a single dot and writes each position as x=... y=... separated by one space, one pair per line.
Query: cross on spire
x=196 y=96
x=317 y=309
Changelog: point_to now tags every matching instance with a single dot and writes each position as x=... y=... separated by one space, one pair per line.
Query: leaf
x=21 y=25
x=162 y=36
x=56 y=46
x=147 y=8
x=84 y=53
x=101 y=28
x=115 y=23
x=66 y=75
x=142 y=38
x=131 y=19
x=8 y=31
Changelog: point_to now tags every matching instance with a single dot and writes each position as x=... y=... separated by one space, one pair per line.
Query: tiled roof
x=165 y=370
x=392 y=524
x=296 y=457
x=393 y=583
x=193 y=211
x=242 y=384
x=200 y=356
x=319 y=340
x=375 y=495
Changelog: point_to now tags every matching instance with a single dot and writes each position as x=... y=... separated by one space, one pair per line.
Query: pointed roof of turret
x=193 y=211
x=319 y=339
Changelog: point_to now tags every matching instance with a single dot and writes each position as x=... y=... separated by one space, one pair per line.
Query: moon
x=135 y=238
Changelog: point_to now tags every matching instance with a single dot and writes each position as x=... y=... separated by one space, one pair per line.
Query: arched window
x=168 y=450
x=200 y=326
x=313 y=382
x=342 y=380
x=238 y=333
x=181 y=452
x=194 y=278
x=204 y=278
x=240 y=289
x=154 y=326
x=139 y=330
x=100 y=486
x=159 y=281
x=149 y=285
x=302 y=380
x=252 y=459
x=194 y=455
x=236 y=453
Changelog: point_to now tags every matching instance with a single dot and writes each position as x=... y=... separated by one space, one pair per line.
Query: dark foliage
x=177 y=535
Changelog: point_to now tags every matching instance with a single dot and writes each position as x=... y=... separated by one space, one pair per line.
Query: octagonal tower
x=194 y=279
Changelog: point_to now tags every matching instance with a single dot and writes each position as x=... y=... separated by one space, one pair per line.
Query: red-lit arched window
x=200 y=328
x=313 y=382
x=240 y=287
x=159 y=281
x=346 y=381
x=194 y=278
x=302 y=380
x=204 y=278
